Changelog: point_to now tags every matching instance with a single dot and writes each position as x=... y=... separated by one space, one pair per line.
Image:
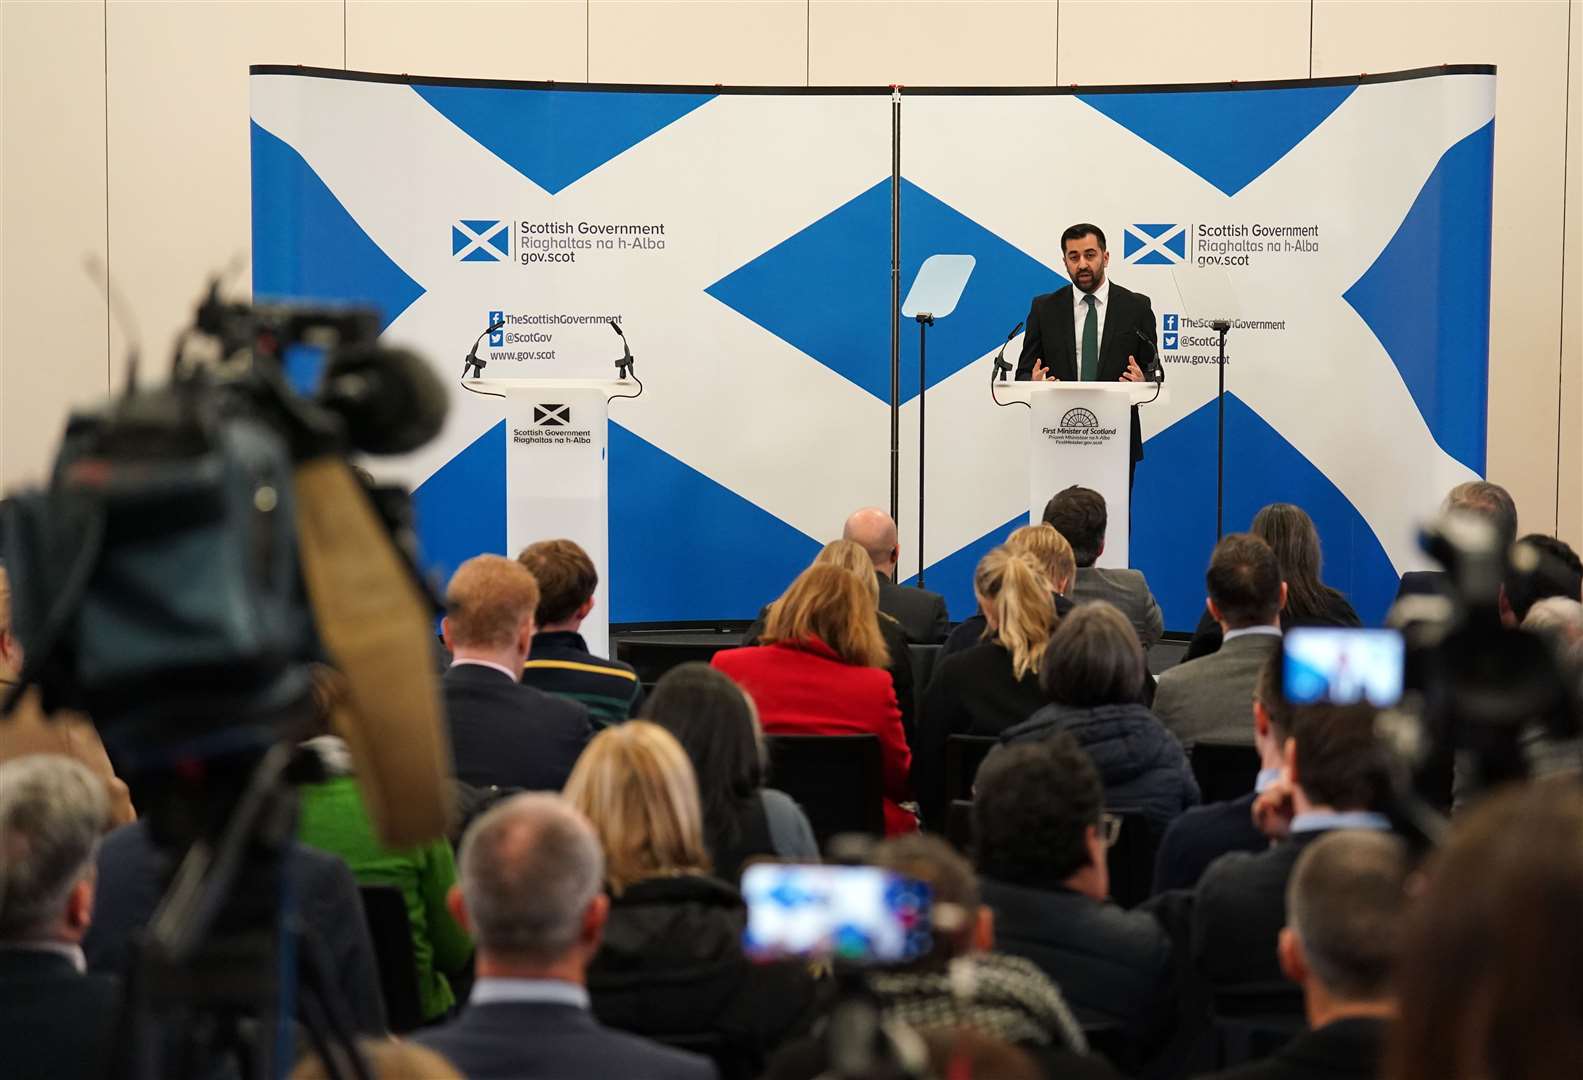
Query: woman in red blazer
x=820 y=670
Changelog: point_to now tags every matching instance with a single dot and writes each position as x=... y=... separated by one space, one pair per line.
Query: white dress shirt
x=514 y=676
x=1080 y=314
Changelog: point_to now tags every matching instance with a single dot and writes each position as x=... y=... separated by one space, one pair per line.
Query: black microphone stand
x=925 y=320
x=1221 y=325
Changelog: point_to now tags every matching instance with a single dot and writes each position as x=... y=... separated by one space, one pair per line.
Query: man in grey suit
x=1080 y=515
x=921 y=613
x=1209 y=698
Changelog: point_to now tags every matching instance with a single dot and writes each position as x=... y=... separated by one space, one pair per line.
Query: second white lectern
x=557 y=473
x=1080 y=433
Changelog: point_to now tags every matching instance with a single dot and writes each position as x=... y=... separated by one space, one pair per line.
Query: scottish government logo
x=478 y=240
x=1155 y=245
x=1079 y=427
x=552 y=415
x=1079 y=419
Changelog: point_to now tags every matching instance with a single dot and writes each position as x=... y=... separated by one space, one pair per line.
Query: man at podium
x=1093 y=329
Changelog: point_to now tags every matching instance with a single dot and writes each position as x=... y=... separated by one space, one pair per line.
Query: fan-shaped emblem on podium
x=1079 y=418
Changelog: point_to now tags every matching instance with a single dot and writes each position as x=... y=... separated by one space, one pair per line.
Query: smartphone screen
x=1339 y=665
x=853 y=914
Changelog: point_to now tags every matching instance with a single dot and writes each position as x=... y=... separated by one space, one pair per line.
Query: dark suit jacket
x=1201 y=836
x=55 y=1024
x=921 y=613
x=509 y=735
x=132 y=878
x=1341 y=1050
x=1051 y=335
x=530 y=1041
x=1239 y=911
x=1424 y=583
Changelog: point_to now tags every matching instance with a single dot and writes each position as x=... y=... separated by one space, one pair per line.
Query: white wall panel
x=762 y=42
x=178 y=142
x=546 y=39
x=52 y=213
x=1528 y=43
x=931 y=42
x=1156 y=41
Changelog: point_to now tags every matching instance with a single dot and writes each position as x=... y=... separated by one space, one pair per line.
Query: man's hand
x=1040 y=372
x=1133 y=373
x=1273 y=810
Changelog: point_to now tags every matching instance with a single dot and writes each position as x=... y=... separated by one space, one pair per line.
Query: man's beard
x=1092 y=284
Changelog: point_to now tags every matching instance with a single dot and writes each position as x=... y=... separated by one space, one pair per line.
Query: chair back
x=959 y=826
x=1131 y=858
x=963 y=755
x=1224 y=770
x=1254 y=1020
x=837 y=779
x=385 y=910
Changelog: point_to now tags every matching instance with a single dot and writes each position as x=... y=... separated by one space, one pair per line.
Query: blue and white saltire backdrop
x=743 y=239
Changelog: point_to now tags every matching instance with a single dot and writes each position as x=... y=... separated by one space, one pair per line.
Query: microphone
x=389 y=399
x=1155 y=370
x=472 y=362
x=624 y=365
x=1000 y=358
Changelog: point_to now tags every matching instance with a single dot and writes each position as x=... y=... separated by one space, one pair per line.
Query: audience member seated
x=1205 y=833
x=56 y=1021
x=1291 y=535
x=333 y=818
x=1053 y=554
x=503 y=734
x=1557 y=572
x=716 y=724
x=922 y=613
x=1345 y=907
x=820 y=671
x=671 y=965
x=1080 y=515
x=1561 y=620
x=995 y=684
x=1488 y=977
x=531 y=894
x=559 y=662
x=1039 y=842
x=849 y=556
x=1209 y=698
x=1092 y=675
x=28 y=731
x=1331 y=781
x=134 y=873
x=1489 y=501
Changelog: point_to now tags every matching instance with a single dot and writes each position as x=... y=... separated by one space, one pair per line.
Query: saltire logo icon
x=1155 y=245
x=475 y=240
x=552 y=415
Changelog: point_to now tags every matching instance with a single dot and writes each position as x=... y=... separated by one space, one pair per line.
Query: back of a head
x=1561 y=621
x=1489 y=501
x=636 y=786
x=833 y=606
x=52 y=812
x=1079 y=514
x=874 y=531
x=1094 y=658
x=1345 y=901
x=1488 y=979
x=1014 y=586
x=1049 y=549
x=1244 y=581
x=1291 y=535
x=1555 y=570
x=1339 y=757
x=566 y=577
x=713 y=720
x=952 y=885
x=528 y=869
x=487 y=600
x=849 y=555
x=1033 y=803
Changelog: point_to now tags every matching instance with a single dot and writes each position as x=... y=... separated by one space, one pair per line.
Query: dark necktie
x=1090 y=367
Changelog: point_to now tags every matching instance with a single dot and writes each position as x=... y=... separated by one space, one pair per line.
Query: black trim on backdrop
x=895 y=304
x=578 y=87
x=1363 y=79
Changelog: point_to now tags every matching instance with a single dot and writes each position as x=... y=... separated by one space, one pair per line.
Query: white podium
x=557 y=473
x=1081 y=433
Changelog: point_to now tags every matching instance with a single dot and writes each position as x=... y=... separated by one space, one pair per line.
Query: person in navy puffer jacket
x=1093 y=674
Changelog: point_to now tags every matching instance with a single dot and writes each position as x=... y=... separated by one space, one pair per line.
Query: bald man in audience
x=503 y=734
x=922 y=613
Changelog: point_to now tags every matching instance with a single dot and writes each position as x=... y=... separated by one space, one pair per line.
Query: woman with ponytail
x=986 y=689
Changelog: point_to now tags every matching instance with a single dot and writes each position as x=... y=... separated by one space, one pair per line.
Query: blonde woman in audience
x=820 y=670
x=986 y=689
x=1051 y=551
x=670 y=966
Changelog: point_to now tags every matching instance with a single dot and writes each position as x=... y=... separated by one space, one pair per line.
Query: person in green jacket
x=333 y=818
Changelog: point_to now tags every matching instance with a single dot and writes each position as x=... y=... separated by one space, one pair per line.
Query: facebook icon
x=497 y=338
x=1170 y=328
